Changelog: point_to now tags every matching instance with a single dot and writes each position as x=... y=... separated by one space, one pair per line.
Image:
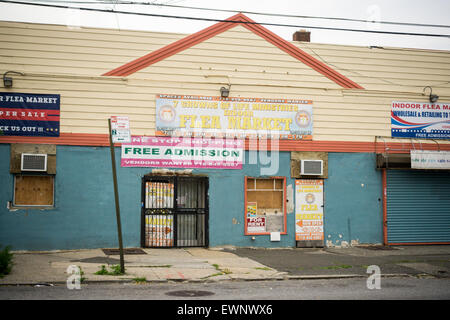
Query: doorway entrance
x=174 y=211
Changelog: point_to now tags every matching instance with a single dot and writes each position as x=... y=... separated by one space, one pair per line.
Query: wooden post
x=116 y=196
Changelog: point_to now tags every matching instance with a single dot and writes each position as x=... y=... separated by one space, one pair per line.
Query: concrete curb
x=324 y=276
x=286 y=277
x=343 y=276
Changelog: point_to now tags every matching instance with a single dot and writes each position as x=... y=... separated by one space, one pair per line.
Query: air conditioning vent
x=311 y=167
x=33 y=162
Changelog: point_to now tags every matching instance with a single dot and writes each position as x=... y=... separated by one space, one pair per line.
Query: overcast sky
x=411 y=11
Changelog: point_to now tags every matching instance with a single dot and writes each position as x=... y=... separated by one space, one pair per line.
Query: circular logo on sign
x=302 y=118
x=167 y=113
x=309 y=198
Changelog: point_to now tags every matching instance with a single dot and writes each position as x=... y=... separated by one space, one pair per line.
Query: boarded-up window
x=33 y=190
x=265 y=209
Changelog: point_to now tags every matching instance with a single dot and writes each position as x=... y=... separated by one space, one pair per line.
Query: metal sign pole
x=116 y=196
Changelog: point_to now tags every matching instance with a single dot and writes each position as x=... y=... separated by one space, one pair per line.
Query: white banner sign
x=423 y=159
x=169 y=152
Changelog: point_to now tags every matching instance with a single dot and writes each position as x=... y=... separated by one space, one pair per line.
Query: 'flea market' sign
x=420 y=120
x=204 y=116
x=27 y=114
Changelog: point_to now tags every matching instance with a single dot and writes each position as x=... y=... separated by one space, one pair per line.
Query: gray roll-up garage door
x=418 y=206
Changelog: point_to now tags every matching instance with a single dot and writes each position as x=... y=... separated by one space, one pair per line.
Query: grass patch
x=163 y=266
x=220 y=273
x=342 y=266
x=140 y=280
x=415 y=261
x=5 y=261
x=214 y=275
x=263 y=268
x=115 y=271
x=81 y=275
x=153 y=266
x=102 y=271
x=226 y=271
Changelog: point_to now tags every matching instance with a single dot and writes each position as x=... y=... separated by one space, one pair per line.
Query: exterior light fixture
x=8 y=81
x=433 y=97
x=224 y=92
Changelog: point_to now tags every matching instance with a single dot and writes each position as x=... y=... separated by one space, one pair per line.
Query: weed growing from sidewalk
x=115 y=271
x=215 y=265
x=263 y=268
x=156 y=266
x=226 y=271
x=220 y=273
x=5 y=261
x=140 y=280
x=213 y=275
x=81 y=275
x=102 y=271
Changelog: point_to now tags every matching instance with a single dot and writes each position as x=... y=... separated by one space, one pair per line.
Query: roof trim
x=238 y=19
x=99 y=139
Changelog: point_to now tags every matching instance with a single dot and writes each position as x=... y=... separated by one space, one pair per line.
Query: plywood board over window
x=265 y=209
x=34 y=190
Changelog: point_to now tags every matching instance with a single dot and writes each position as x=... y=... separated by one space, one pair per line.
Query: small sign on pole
x=120 y=129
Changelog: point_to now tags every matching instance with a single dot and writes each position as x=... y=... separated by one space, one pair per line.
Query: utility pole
x=116 y=196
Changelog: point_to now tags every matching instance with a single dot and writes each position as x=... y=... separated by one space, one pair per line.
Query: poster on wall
x=420 y=120
x=167 y=152
x=308 y=210
x=206 y=116
x=159 y=230
x=29 y=114
x=159 y=227
x=255 y=223
x=159 y=195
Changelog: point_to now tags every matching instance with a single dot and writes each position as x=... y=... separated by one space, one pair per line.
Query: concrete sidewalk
x=218 y=264
x=429 y=261
x=157 y=265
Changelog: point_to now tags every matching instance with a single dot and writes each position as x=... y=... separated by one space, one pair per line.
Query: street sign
x=120 y=129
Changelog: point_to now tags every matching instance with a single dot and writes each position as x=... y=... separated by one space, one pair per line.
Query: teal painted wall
x=353 y=200
x=84 y=215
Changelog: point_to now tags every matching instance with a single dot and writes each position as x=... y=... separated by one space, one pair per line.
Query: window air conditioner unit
x=311 y=167
x=33 y=162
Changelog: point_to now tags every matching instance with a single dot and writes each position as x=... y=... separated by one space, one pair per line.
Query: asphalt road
x=395 y=288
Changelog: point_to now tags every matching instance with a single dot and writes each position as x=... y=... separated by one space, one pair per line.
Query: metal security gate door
x=174 y=212
x=418 y=207
x=158 y=212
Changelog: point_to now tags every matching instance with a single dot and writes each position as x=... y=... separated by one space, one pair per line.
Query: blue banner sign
x=27 y=114
x=420 y=120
